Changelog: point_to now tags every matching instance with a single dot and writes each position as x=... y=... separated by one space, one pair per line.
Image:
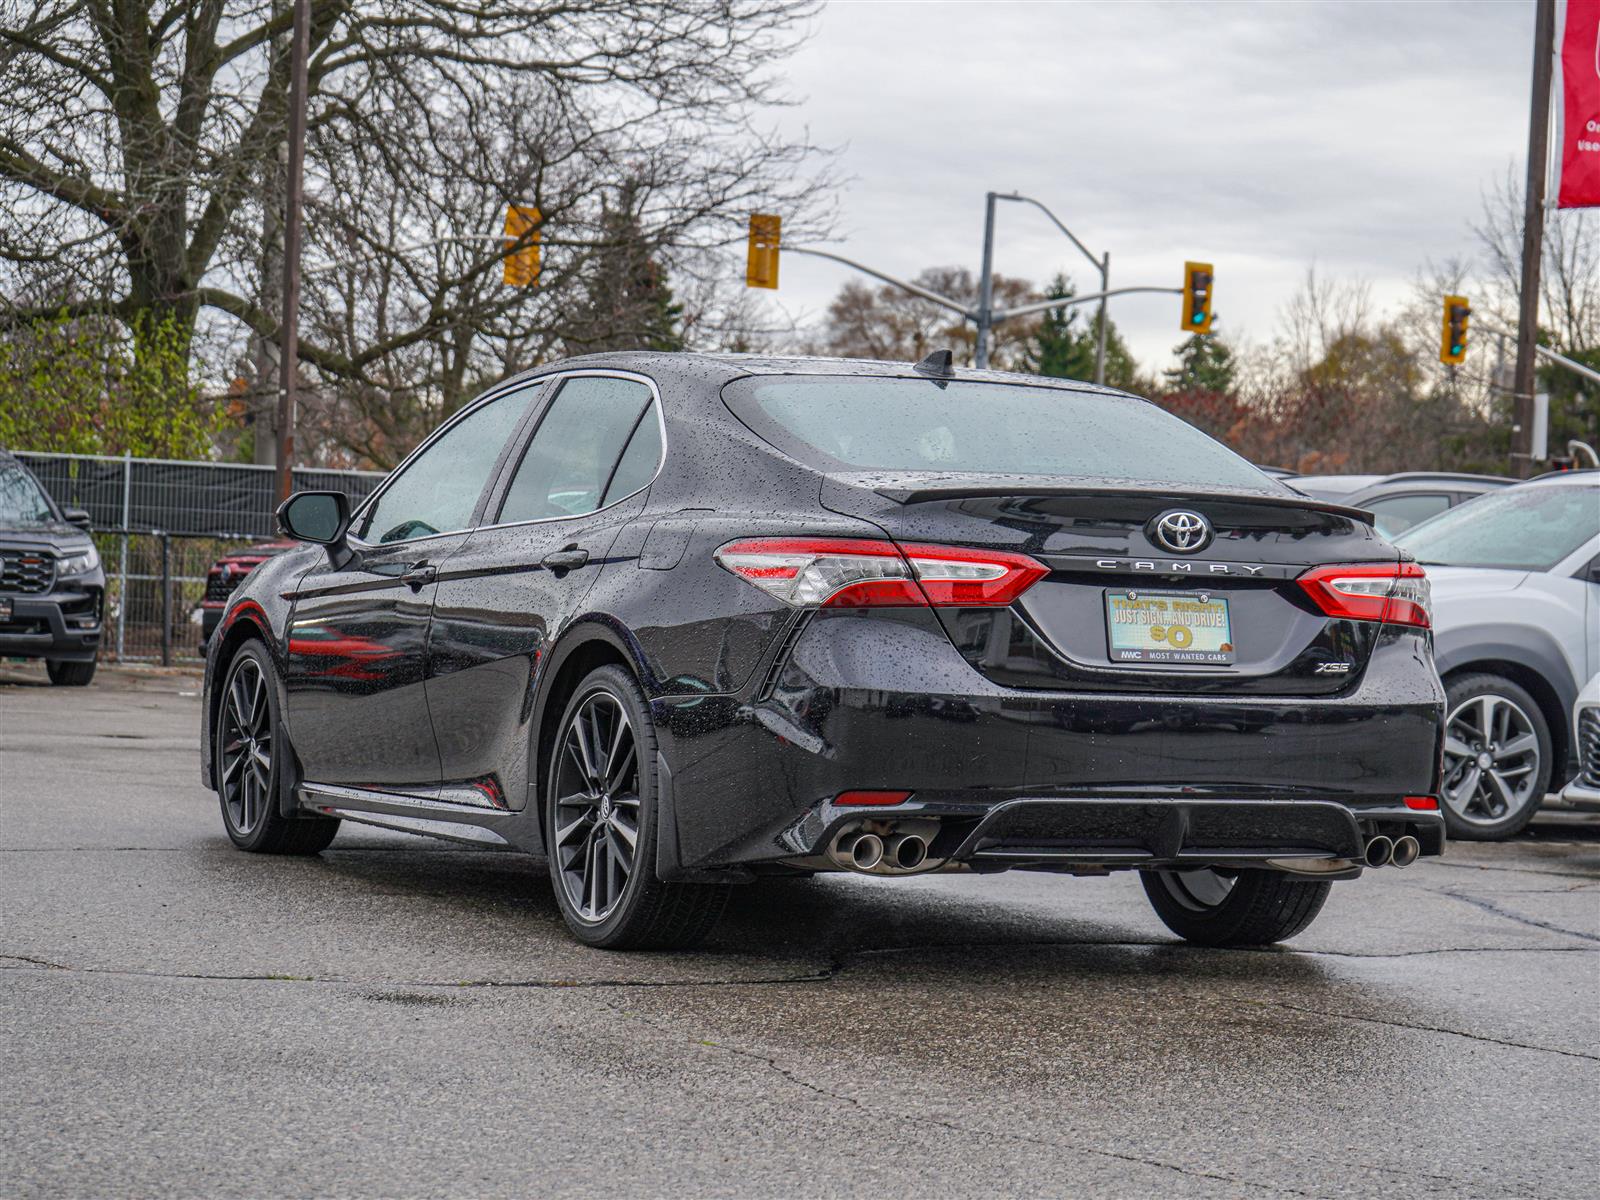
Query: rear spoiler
x=966 y=491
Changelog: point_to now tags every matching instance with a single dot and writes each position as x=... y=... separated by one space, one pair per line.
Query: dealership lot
x=405 y=1017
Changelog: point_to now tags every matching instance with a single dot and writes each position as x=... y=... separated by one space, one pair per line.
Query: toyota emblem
x=1182 y=531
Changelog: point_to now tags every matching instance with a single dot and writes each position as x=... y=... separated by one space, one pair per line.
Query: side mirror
x=79 y=517
x=320 y=517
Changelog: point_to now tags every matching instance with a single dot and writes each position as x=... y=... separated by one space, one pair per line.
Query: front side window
x=437 y=491
x=21 y=501
x=1520 y=528
x=878 y=423
x=576 y=461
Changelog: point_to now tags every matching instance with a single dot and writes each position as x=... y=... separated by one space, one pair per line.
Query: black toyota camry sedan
x=678 y=622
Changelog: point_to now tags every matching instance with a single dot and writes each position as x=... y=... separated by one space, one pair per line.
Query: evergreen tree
x=1205 y=364
x=631 y=305
x=1064 y=346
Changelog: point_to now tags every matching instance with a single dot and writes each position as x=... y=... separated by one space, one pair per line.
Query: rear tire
x=1497 y=758
x=251 y=749
x=1252 y=908
x=69 y=674
x=601 y=814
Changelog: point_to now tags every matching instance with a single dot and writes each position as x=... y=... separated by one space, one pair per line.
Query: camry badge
x=1182 y=531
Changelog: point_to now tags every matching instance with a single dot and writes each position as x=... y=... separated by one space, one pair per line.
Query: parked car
x=1516 y=594
x=677 y=621
x=1397 y=502
x=1583 y=790
x=52 y=589
x=225 y=575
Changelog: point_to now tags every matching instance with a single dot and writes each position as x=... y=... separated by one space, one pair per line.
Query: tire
x=1252 y=908
x=69 y=674
x=600 y=810
x=250 y=752
x=1497 y=758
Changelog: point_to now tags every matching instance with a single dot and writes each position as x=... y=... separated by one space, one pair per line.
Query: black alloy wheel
x=251 y=749
x=1497 y=756
x=600 y=817
x=1214 y=907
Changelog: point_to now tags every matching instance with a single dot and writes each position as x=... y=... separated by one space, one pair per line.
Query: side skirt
x=484 y=827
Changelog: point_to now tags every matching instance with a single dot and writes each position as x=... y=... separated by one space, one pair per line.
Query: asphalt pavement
x=401 y=1017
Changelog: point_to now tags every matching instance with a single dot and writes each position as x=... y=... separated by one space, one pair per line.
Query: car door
x=355 y=702
x=507 y=593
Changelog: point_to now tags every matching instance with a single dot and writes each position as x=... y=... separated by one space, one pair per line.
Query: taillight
x=857 y=572
x=1393 y=592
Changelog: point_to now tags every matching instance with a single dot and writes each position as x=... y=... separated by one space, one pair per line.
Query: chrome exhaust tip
x=1379 y=851
x=859 y=851
x=907 y=851
x=1406 y=850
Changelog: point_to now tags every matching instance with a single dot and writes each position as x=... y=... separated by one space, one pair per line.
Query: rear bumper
x=884 y=701
x=62 y=625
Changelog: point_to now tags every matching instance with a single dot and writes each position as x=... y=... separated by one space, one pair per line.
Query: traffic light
x=1197 y=314
x=1453 y=336
x=761 y=265
x=521 y=258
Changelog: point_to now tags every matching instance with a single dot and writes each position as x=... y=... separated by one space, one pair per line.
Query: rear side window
x=1394 y=513
x=21 y=501
x=894 y=424
x=570 y=466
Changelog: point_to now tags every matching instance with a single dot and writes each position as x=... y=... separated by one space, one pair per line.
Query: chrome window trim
x=483 y=401
x=562 y=377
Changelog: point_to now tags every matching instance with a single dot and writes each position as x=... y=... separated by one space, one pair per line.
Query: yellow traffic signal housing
x=522 y=246
x=1453 y=336
x=761 y=265
x=1197 y=314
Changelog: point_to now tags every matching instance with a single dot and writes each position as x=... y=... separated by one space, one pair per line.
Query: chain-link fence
x=160 y=525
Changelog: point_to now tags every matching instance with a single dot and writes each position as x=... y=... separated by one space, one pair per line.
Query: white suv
x=1516 y=617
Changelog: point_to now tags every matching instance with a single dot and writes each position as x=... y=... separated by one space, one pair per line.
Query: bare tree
x=1569 y=274
x=139 y=143
x=885 y=322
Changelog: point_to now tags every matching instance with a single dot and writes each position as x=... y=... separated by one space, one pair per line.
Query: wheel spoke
x=1520 y=744
x=1456 y=748
x=618 y=773
x=1503 y=790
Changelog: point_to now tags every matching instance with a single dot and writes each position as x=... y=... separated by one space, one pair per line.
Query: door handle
x=569 y=559
x=419 y=575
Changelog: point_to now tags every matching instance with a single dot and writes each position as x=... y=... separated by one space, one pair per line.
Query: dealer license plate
x=1168 y=627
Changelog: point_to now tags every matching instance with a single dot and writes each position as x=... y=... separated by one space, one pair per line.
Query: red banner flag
x=1579 y=130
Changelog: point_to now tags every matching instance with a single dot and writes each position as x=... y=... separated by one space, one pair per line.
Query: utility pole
x=1532 y=240
x=1100 y=344
x=294 y=216
x=985 y=286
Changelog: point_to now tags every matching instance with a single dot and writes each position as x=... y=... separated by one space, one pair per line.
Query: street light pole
x=985 y=285
x=289 y=357
x=1100 y=344
x=1522 y=383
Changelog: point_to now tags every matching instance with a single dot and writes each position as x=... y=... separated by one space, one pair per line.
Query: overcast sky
x=1260 y=137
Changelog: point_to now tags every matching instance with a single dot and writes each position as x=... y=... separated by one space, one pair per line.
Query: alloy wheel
x=1200 y=890
x=597 y=807
x=1491 y=759
x=246 y=746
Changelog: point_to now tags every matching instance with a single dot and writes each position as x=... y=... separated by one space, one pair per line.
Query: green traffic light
x=1455 y=349
x=1199 y=318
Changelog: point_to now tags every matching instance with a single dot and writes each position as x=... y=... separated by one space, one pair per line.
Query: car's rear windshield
x=879 y=423
x=1521 y=528
x=21 y=500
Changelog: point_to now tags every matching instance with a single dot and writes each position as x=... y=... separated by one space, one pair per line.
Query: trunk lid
x=1265 y=637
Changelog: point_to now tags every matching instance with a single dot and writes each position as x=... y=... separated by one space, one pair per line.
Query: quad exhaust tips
x=1380 y=850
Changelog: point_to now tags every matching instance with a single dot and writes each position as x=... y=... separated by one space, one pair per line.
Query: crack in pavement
x=1457 y=866
x=1489 y=906
x=771 y=1063
x=1476 y=1037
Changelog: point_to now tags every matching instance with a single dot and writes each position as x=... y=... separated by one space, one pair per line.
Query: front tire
x=1497 y=758
x=251 y=751
x=69 y=674
x=601 y=813
x=1245 y=908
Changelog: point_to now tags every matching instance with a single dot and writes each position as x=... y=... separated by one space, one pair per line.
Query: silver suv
x=1516 y=614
